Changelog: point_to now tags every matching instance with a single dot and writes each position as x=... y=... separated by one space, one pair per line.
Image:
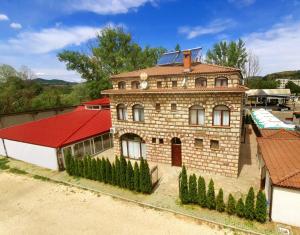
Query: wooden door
x=176 y=155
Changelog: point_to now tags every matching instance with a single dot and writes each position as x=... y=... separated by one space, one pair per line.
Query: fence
x=154 y=175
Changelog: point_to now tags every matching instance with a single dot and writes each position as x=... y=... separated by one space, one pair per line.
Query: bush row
x=191 y=191
x=120 y=173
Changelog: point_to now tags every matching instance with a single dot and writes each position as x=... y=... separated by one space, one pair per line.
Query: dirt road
x=30 y=206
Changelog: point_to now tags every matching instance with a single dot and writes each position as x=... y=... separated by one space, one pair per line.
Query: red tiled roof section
x=102 y=101
x=282 y=159
x=279 y=134
x=177 y=70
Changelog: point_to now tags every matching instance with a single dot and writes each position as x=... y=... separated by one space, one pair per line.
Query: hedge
x=120 y=173
x=252 y=209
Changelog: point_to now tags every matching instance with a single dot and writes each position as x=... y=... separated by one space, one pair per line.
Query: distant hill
x=284 y=74
x=53 y=82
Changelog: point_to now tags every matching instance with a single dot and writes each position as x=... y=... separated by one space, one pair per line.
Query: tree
x=85 y=167
x=72 y=166
x=230 y=205
x=261 y=207
x=81 y=168
x=76 y=165
x=183 y=186
x=177 y=47
x=193 y=197
x=123 y=166
x=26 y=73
x=94 y=169
x=68 y=157
x=295 y=89
x=108 y=172
x=113 y=174
x=220 y=205
x=240 y=208
x=252 y=67
x=117 y=161
x=261 y=83
x=147 y=183
x=129 y=176
x=89 y=161
x=211 y=201
x=99 y=175
x=232 y=54
x=103 y=170
x=136 y=177
x=7 y=71
x=249 y=205
x=201 y=192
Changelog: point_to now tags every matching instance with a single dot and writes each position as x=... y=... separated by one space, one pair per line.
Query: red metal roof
x=102 y=101
x=62 y=129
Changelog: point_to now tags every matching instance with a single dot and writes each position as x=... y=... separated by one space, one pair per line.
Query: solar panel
x=176 y=57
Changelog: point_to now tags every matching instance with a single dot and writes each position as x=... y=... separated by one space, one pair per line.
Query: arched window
x=138 y=113
x=133 y=146
x=221 y=82
x=197 y=115
x=221 y=116
x=122 y=85
x=135 y=85
x=122 y=112
x=200 y=82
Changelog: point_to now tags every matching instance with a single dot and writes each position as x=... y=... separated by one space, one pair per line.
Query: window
x=214 y=144
x=121 y=112
x=93 y=107
x=200 y=82
x=221 y=82
x=198 y=143
x=135 y=85
x=122 y=85
x=173 y=107
x=174 y=84
x=161 y=141
x=159 y=84
x=197 y=115
x=138 y=113
x=153 y=140
x=157 y=107
x=221 y=116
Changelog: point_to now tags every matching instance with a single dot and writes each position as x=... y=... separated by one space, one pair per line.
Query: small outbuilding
x=85 y=131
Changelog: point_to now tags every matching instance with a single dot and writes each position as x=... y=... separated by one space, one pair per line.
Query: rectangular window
x=161 y=141
x=153 y=140
x=98 y=144
x=157 y=107
x=159 y=84
x=199 y=143
x=173 y=107
x=174 y=83
x=214 y=144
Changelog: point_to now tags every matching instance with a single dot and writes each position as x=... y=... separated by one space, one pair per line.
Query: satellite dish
x=144 y=85
x=143 y=76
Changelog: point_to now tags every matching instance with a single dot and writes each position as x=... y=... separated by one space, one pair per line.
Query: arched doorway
x=176 y=152
x=133 y=146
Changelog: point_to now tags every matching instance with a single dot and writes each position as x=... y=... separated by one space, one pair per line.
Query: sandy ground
x=30 y=206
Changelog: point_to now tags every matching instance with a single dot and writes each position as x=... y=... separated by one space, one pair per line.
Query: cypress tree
x=231 y=205
x=76 y=173
x=94 y=169
x=249 y=205
x=261 y=207
x=193 y=197
x=220 y=205
x=123 y=166
x=89 y=176
x=129 y=176
x=201 y=192
x=240 y=208
x=85 y=167
x=117 y=161
x=113 y=174
x=103 y=170
x=147 y=178
x=210 y=198
x=183 y=187
x=136 y=177
x=98 y=165
x=81 y=168
x=72 y=166
x=67 y=161
x=108 y=172
x=142 y=175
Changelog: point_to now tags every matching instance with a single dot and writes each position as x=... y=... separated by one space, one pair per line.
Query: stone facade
x=166 y=124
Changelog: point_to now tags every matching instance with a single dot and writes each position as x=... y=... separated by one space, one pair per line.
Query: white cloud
x=214 y=27
x=106 y=7
x=3 y=17
x=242 y=3
x=15 y=25
x=277 y=48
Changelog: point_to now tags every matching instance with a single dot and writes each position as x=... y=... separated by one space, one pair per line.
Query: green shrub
x=17 y=171
x=43 y=178
x=183 y=186
x=230 y=205
x=147 y=183
x=117 y=161
x=240 y=208
x=89 y=176
x=72 y=166
x=67 y=161
x=220 y=205
x=211 y=200
x=85 y=167
x=123 y=166
x=94 y=169
x=76 y=164
x=3 y=164
x=113 y=174
x=103 y=170
x=129 y=176
x=261 y=207
x=193 y=197
x=98 y=163
x=108 y=172
x=136 y=177
x=201 y=192
x=81 y=168
x=249 y=205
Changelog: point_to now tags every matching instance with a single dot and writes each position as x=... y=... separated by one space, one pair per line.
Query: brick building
x=188 y=113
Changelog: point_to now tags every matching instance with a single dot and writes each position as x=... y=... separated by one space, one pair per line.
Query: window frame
x=173 y=105
x=221 y=79
x=159 y=84
x=157 y=107
x=124 y=112
x=199 y=81
x=214 y=141
x=222 y=116
x=135 y=85
x=197 y=115
x=174 y=84
x=141 y=113
x=198 y=146
x=122 y=85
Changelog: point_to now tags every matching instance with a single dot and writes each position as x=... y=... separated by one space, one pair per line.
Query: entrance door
x=176 y=152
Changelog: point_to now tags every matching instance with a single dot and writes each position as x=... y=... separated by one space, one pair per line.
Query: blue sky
x=32 y=32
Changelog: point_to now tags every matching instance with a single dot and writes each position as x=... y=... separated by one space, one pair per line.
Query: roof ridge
x=76 y=130
x=289 y=176
x=222 y=66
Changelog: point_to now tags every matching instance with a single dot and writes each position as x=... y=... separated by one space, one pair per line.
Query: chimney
x=187 y=61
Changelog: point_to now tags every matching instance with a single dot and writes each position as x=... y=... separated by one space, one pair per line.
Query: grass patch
x=43 y=178
x=3 y=164
x=17 y=171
